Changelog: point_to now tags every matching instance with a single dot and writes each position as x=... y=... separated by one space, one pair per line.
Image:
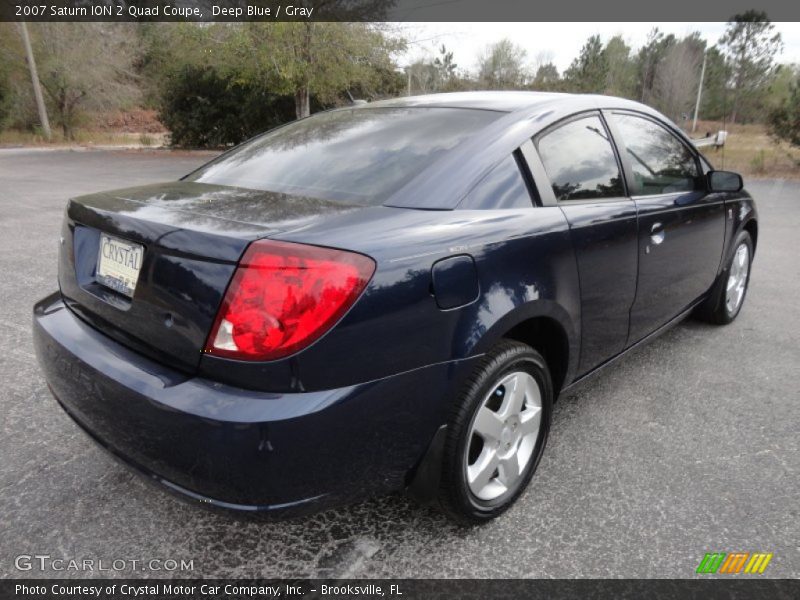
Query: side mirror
x=724 y=181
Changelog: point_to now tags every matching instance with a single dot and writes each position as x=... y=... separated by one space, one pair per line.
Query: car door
x=580 y=172
x=681 y=226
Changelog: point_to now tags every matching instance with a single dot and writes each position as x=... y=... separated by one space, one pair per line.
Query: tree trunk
x=66 y=118
x=302 y=105
x=739 y=83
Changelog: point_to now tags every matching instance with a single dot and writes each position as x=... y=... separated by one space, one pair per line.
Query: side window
x=660 y=162
x=503 y=187
x=580 y=161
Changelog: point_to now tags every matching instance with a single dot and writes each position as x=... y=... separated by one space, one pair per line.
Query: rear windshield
x=358 y=156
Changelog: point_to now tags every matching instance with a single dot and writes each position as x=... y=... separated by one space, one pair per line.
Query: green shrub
x=5 y=98
x=203 y=108
x=784 y=120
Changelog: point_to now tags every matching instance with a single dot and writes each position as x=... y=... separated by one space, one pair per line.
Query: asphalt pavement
x=689 y=445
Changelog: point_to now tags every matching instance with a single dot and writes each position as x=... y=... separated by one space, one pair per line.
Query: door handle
x=657 y=233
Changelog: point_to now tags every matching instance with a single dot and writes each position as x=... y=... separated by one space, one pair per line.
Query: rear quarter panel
x=524 y=263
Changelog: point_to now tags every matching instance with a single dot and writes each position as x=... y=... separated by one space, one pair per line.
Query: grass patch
x=750 y=150
x=83 y=137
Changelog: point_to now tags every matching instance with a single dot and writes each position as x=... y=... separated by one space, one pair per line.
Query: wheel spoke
x=509 y=470
x=488 y=424
x=532 y=394
x=481 y=472
x=514 y=398
x=530 y=420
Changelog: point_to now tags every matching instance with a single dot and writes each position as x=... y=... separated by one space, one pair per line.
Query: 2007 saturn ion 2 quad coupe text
x=385 y=297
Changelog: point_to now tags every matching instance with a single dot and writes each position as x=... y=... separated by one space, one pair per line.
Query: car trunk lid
x=191 y=236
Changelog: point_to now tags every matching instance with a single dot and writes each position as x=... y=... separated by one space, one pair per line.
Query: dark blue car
x=385 y=297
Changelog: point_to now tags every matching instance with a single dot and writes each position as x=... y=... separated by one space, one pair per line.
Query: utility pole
x=37 y=88
x=699 y=93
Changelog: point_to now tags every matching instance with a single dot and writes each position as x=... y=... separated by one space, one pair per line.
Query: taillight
x=284 y=296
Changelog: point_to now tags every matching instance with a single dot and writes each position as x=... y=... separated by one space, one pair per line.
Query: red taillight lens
x=283 y=297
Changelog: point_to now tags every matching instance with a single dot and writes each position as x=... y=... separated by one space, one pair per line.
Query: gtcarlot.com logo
x=45 y=562
x=734 y=562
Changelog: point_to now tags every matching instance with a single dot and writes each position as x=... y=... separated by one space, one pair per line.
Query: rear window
x=359 y=156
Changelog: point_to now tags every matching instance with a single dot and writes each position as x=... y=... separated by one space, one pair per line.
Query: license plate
x=118 y=264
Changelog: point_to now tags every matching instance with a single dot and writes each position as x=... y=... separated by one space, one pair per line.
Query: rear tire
x=496 y=433
x=728 y=295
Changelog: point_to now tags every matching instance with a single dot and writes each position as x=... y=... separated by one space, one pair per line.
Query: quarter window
x=660 y=162
x=580 y=161
x=503 y=187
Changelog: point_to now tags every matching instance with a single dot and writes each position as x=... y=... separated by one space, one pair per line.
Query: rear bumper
x=238 y=448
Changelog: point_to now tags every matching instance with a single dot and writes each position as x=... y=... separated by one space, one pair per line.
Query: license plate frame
x=119 y=263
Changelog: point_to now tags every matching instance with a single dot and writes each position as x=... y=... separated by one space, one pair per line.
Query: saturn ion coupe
x=385 y=297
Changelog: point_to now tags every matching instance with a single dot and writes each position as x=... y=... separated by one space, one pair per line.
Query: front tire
x=727 y=298
x=496 y=433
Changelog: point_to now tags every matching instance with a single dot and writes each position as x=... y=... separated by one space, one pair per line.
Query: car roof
x=446 y=181
x=511 y=101
x=499 y=101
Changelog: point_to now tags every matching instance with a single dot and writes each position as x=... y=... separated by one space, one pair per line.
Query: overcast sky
x=561 y=42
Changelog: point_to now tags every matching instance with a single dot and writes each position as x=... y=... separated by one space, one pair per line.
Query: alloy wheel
x=503 y=436
x=737 y=279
